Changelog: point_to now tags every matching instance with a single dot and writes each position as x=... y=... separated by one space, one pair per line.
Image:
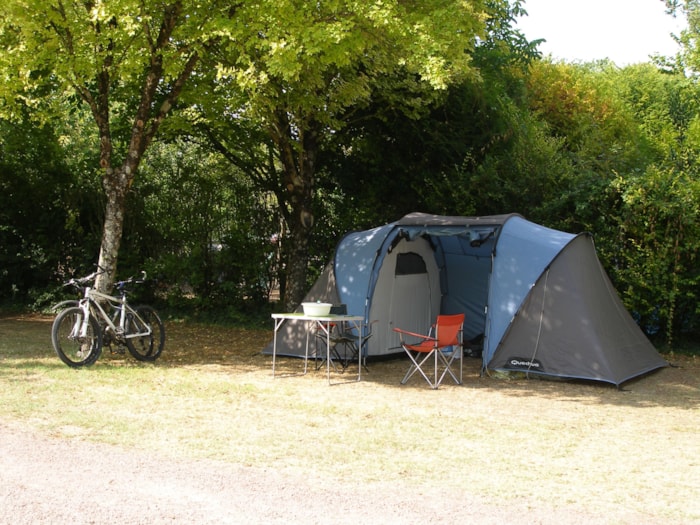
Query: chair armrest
x=420 y=336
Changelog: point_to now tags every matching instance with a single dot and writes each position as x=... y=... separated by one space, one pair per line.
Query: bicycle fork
x=80 y=326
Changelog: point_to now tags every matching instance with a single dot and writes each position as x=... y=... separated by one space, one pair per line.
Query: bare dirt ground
x=50 y=480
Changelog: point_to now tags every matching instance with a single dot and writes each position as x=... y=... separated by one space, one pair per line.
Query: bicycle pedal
x=120 y=350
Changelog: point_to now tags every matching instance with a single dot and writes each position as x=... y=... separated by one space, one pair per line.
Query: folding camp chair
x=444 y=347
x=337 y=338
x=350 y=340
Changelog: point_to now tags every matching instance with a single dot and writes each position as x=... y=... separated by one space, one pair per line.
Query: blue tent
x=538 y=297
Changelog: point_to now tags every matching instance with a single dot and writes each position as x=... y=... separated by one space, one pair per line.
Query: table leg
x=278 y=322
x=328 y=353
x=359 y=350
x=306 y=353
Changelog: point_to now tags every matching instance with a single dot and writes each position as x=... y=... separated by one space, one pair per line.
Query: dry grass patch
x=212 y=395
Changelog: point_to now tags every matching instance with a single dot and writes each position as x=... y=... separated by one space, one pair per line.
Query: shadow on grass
x=25 y=345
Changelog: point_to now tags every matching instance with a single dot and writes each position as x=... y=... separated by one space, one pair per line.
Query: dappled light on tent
x=536 y=299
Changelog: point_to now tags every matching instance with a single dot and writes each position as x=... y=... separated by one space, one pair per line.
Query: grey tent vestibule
x=539 y=297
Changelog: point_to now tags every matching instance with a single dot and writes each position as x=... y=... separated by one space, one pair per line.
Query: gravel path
x=51 y=480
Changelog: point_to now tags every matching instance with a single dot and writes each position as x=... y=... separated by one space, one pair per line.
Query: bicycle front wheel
x=74 y=347
x=145 y=334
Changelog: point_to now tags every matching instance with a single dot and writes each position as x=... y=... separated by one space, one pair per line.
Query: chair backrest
x=339 y=309
x=448 y=328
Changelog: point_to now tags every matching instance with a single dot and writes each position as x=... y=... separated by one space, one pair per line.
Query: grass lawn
x=212 y=394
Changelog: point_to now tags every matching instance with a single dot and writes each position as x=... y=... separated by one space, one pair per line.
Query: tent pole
x=539 y=328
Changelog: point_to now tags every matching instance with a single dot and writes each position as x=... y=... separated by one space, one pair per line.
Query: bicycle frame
x=90 y=304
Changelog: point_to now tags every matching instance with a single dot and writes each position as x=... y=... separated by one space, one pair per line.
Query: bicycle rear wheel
x=145 y=334
x=74 y=349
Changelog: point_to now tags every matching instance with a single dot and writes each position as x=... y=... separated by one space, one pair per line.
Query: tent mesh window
x=410 y=263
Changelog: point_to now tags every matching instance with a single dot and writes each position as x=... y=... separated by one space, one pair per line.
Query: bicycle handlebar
x=121 y=284
x=81 y=281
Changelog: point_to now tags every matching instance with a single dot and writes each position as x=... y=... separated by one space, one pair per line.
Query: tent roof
x=356 y=254
x=426 y=219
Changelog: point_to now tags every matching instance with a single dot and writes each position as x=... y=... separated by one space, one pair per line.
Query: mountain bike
x=82 y=328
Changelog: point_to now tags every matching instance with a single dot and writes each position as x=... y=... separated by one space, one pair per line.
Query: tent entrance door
x=411 y=302
x=407 y=295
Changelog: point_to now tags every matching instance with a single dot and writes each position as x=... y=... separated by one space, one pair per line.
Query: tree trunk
x=116 y=185
x=297 y=263
x=298 y=148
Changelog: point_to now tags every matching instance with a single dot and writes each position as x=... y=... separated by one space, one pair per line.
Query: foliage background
x=592 y=147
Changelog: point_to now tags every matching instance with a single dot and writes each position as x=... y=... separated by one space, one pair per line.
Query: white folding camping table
x=324 y=323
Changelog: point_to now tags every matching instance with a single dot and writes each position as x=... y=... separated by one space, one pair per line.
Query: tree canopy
x=127 y=61
x=300 y=64
x=300 y=71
